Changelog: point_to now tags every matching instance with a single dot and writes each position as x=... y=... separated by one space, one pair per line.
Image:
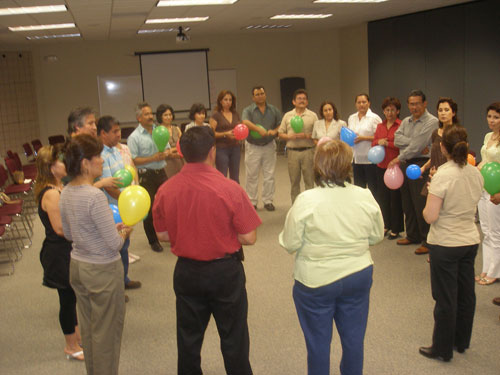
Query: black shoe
x=429 y=353
x=393 y=236
x=460 y=349
x=133 y=285
x=269 y=207
x=156 y=247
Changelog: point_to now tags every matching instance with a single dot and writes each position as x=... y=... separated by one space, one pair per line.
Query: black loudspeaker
x=288 y=86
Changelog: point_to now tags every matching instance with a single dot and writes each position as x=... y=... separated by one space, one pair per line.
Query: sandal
x=479 y=277
x=485 y=281
x=75 y=355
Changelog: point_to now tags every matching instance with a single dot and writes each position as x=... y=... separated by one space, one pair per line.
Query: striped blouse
x=88 y=221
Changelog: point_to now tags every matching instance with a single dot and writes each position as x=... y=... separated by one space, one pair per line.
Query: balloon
x=178 y=147
x=116 y=213
x=125 y=177
x=347 y=135
x=491 y=175
x=376 y=154
x=413 y=171
x=297 y=124
x=161 y=136
x=323 y=140
x=255 y=134
x=393 y=177
x=133 y=203
x=471 y=159
x=240 y=132
x=132 y=171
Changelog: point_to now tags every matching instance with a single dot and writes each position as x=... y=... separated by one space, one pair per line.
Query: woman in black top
x=55 y=253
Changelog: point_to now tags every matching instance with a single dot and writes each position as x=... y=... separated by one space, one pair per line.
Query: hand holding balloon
x=124 y=230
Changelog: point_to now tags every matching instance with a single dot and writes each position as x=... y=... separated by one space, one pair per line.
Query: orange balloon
x=471 y=159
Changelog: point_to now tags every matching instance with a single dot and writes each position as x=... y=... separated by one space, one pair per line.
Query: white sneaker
x=136 y=257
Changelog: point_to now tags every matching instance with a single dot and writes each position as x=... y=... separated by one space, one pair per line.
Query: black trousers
x=151 y=180
x=203 y=289
x=452 y=283
x=365 y=175
x=67 y=310
x=414 y=203
x=390 y=204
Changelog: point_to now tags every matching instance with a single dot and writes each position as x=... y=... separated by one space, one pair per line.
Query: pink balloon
x=178 y=147
x=393 y=177
x=240 y=132
x=323 y=140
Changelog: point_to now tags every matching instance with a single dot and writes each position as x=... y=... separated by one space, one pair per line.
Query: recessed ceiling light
x=42 y=27
x=348 y=1
x=38 y=37
x=175 y=20
x=32 y=10
x=178 y=3
x=172 y=29
x=299 y=16
x=266 y=27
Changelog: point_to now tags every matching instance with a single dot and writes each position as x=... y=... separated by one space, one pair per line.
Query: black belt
x=151 y=171
x=416 y=160
x=299 y=148
x=238 y=255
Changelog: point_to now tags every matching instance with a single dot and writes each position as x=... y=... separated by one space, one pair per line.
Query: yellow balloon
x=131 y=169
x=133 y=203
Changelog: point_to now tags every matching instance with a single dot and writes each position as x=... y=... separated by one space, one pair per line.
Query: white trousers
x=489 y=216
x=259 y=158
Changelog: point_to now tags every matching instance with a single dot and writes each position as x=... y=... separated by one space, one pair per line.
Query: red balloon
x=240 y=132
x=178 y=147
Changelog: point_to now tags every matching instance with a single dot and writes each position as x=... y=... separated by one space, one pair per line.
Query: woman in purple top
x=223 y=121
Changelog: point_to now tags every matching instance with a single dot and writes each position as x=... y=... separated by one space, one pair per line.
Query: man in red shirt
x=207 y=217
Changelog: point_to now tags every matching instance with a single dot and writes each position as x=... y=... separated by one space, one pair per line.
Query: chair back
x=55 y=139
x=11 y=166
x=37 y=145
x=27 y=150
x=10 y=154
x=3 y=175
x=17 y=159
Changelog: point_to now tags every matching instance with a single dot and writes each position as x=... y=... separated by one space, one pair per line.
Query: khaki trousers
x=300 y=163
x=259 y=158
x=100 y=294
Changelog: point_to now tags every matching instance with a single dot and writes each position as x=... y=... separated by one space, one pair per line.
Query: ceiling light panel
x=267 y=27
x=39 y=37
x=42 y=27
x=179 y=3
x=176 y=20
x=152 y=31
x=32 y=10
x=299 y=16
x=347 y=1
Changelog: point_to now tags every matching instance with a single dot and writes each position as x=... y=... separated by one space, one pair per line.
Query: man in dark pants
x=207 y=219
x=413 y=138
x=150 y=164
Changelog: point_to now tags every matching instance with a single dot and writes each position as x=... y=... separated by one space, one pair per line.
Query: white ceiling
x=121 y=19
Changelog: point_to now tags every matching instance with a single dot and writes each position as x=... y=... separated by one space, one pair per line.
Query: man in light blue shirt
x=108 y=130
x=150 y=164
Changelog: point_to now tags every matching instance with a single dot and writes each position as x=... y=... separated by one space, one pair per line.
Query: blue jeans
x=124 y=254
x=229 y=158
x=346 y=301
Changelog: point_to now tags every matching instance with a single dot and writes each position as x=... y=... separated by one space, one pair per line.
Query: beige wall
x=324 y=59
x=353 y=65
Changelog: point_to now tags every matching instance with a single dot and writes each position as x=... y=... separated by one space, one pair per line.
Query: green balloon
x=125 y=177
x=491 y=175
x=255 y=134
x=297 y=124
x=161 y=136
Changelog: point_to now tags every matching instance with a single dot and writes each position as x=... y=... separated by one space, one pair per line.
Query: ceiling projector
x=181 y=36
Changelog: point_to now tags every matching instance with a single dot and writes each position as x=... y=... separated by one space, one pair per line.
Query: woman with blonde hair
x=329 y=229
x=55 y=253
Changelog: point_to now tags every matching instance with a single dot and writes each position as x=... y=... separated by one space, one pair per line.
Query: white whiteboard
x=119 y=95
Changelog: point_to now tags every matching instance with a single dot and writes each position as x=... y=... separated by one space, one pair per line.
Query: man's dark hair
x=77 y=117
x=196 y=143
x=258 y=87
x=416 y=93
x=105 y=124
x=298 y=92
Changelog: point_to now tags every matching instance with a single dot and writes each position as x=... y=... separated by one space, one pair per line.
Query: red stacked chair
x=29 y=153
x=37 y=145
